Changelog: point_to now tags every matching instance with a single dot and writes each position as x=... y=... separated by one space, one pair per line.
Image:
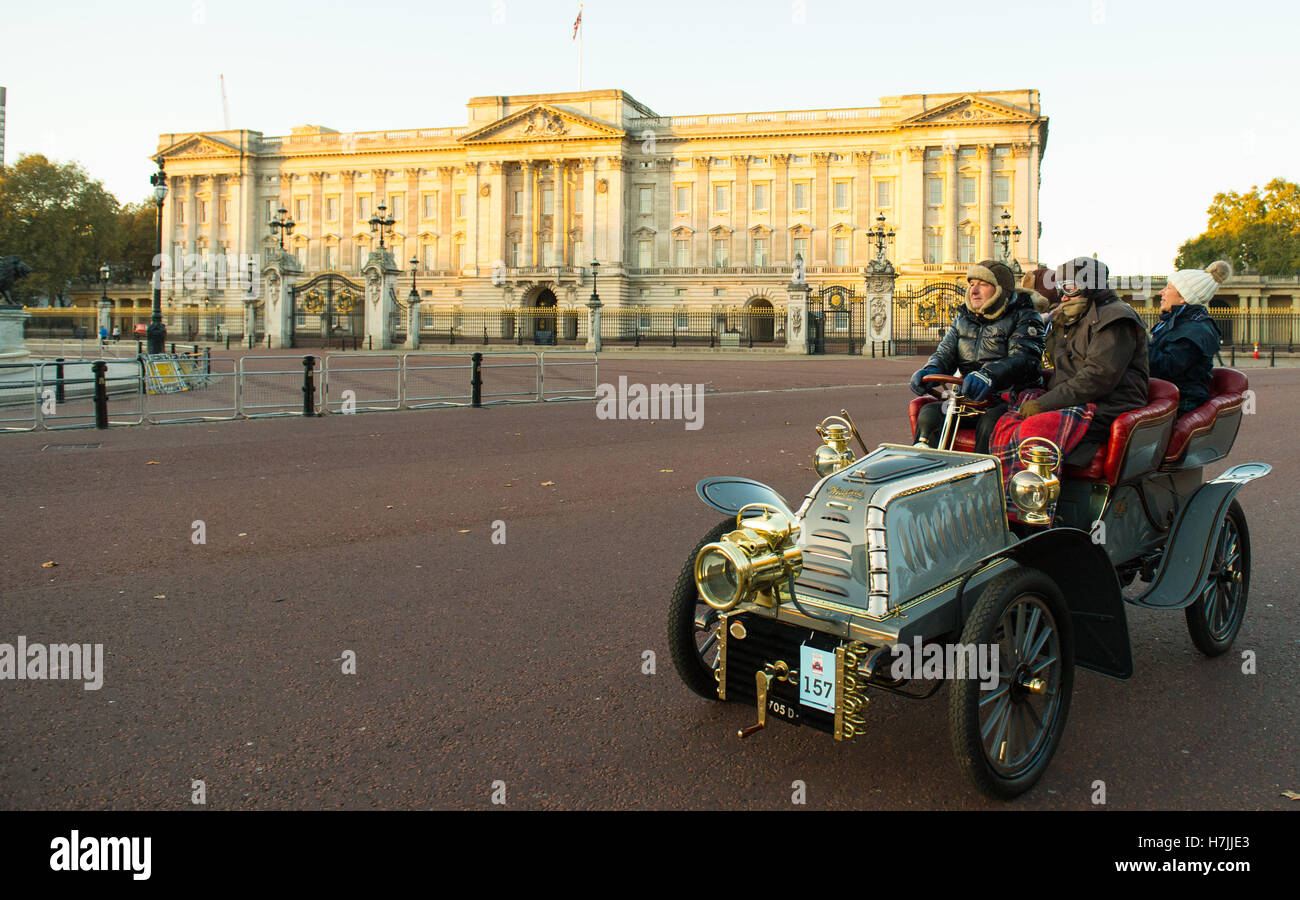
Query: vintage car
x=805 y=613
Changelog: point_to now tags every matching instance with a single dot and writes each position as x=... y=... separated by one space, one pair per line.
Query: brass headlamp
x=834 y=454
x=757 y=555
x=1035 y=489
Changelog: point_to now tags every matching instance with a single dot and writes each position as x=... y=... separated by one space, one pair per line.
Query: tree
x=1253 y=232
x=60 y=221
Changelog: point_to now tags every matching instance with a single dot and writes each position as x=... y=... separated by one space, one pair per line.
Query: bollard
x=173 y=349
x=476 y=381
x=1272 y=358
x=370 y=342
x=227 y=341
x=100 y=368
x=268 y=342
x=1233 y=351
x=58 y=380
x=207 y=358
x=308 y=386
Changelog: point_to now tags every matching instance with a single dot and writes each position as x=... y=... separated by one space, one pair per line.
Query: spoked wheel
x=692 y=624
x=1215 y=618
x=1004 y=737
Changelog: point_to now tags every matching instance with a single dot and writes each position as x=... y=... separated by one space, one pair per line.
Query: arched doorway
x=761 y=320
x=544 y=318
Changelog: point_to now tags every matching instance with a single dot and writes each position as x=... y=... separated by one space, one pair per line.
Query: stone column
x=214 y=228
x=588 y=209
x=821 y=211
x=984 y=249
x=171 y=248
x=192 y=215
x=498 y=216
x=781 y=254
x=347 y=218
x=1031 y=226
x=593 y=323
x=951 y=207
x=381 y=274
x=413 y=321
x=560 y=211
x=529 y=225
x=316 y=227
x=446 y=200
x=250 y=320
x=472 y=201
x=796 y=317
x=1021 y=199
x=700 y=220
x=617 y=207
x=741 y=256
x=911 y=206
x=277 y=278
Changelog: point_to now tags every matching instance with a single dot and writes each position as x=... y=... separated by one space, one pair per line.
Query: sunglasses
x=1071 y=288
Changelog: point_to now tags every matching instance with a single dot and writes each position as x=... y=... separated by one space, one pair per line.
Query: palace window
x=760 y=251
x=645 y=200
x=721 y=198
x=519 y=203
x=966 y=247
x=682 y=252
x=395 y=204
x=299 y=212
x=969 y=191
x=800 y=248
x=225 y=210
x=363 y=207
x=548 y=201
x=577 y=202
x=801 y=194
x=842 y=191
x=683 y=320
x=180 y=212
x=683 y=201
x=1001 y=151
x=643 y=254
x=1002 y=189
x=579 y=254
x=516 y=254
x=933 y=152
x=430 y=257
x=331 y=209
x=460 y=205
x=203 y=212
x=430 y=204
x=760 y=197
x=967 y=151
x=330 y=252
x=548 y=253
x=842 y=252
x=934 y=191
x=457 y=255
x=721 y=248
x=934 y=247
x=882 y=195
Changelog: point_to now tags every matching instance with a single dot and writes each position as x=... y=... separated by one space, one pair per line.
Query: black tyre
x=1005 y=737
x=1215 y=618
x=692 y=624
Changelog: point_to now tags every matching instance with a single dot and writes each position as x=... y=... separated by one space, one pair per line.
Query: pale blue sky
x=1154 y=106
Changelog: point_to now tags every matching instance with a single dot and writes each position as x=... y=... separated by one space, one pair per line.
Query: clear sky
x=1154 y=106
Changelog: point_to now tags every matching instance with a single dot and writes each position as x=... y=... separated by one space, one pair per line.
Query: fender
x=728 y=493
x=1086 y=577
x=1189 y=553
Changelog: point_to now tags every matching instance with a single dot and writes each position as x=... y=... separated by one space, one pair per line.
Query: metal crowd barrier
x=435 y=379
x=366 y=378
x=522 y=380
x=69 y=402
x=20 y=396
x=273 y=386
x=561 y=375
x=210 y=396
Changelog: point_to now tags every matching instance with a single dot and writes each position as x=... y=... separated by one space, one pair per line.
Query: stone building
x=509 y=209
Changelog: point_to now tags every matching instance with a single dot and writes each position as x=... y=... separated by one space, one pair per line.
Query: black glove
x=915 y=384
x=976 y=386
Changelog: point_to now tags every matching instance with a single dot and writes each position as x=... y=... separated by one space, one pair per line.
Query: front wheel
x=693 y=624
x=1004 y=736
x=1215 y=618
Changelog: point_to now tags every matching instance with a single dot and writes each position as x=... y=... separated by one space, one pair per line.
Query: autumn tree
x=1254 y=232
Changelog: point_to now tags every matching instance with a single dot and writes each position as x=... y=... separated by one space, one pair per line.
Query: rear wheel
x=1215 y=618
x=1005 y=736
x=693 y=624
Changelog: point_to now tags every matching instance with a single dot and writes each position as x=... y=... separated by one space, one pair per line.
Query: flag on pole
x=577 y=23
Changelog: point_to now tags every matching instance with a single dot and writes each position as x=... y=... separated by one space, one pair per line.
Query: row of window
x=969 y=186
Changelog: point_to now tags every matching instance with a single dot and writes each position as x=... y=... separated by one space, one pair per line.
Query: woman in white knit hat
x=1185 y=340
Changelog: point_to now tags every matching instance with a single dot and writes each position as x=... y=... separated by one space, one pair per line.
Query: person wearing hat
x=995 y=342
x=1098 y=346
x=1185 y=340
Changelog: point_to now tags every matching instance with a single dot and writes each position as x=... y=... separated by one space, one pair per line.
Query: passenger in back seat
x=1185 y=340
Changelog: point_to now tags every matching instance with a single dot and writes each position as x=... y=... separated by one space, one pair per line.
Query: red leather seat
x=1152 y=423
x=965 y=436
x=1227 y=392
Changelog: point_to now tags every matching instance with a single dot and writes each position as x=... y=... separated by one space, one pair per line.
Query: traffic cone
x=1256 y=353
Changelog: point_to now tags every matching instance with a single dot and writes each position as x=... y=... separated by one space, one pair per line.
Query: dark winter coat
x=1008 y=347
x=1102 y=359
x=1183 y=345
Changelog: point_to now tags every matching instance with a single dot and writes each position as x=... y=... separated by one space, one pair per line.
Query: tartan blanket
x=1063 y=427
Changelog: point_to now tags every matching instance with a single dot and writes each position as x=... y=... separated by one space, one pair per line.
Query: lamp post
x=593 y=311
x=1004 y=235
x=381 y=222
x=103 y=318
x=283 y=224
x=415 y=264
x=879 y=235
x=157 y=331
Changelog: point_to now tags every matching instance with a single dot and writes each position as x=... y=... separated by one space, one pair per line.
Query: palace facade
x=695 y=211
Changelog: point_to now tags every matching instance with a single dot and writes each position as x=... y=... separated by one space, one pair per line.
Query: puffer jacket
x=1183 y=344
x=1008 y=347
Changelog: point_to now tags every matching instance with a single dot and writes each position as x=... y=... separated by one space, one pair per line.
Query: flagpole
x=579 y=47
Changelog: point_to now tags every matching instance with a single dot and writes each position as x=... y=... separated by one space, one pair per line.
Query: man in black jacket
x=1185 y=340
x=995 y=341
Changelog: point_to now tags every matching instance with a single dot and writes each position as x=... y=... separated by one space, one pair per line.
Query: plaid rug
x=1063 y=427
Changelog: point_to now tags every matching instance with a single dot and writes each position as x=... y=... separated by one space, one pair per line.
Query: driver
x=995 y=341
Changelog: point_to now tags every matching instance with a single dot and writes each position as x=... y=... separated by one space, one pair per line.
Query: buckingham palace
x=698 y=212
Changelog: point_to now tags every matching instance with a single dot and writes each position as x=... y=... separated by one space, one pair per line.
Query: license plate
x=783 y=709
x=817 y=678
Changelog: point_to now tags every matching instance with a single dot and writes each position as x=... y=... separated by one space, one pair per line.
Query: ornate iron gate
x=327 y=308
x=837 y=320
x=922 y=314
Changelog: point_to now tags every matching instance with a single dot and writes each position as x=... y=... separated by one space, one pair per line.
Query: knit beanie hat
x=1196 y=286
x=1088 y=273
x=996 y=273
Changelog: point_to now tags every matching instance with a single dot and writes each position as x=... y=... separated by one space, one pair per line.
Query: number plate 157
x=817 y=678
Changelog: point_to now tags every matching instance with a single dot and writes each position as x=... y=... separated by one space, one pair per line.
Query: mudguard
x=728 y=493
x=1189 y=552
x=1086 y=577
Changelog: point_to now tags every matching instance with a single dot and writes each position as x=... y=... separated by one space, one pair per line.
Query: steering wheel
x=955 y=380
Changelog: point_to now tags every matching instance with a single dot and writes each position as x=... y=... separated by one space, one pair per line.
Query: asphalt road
x=479 y=663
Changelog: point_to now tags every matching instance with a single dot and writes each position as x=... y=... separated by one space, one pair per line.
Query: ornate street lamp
x=381 y=222
x=879 y=235
x=103 y=280
x=283 y=224
x=595 y=298
x=1004 y=235
x=157 y=331
x=415 y=264
x=593 y=312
